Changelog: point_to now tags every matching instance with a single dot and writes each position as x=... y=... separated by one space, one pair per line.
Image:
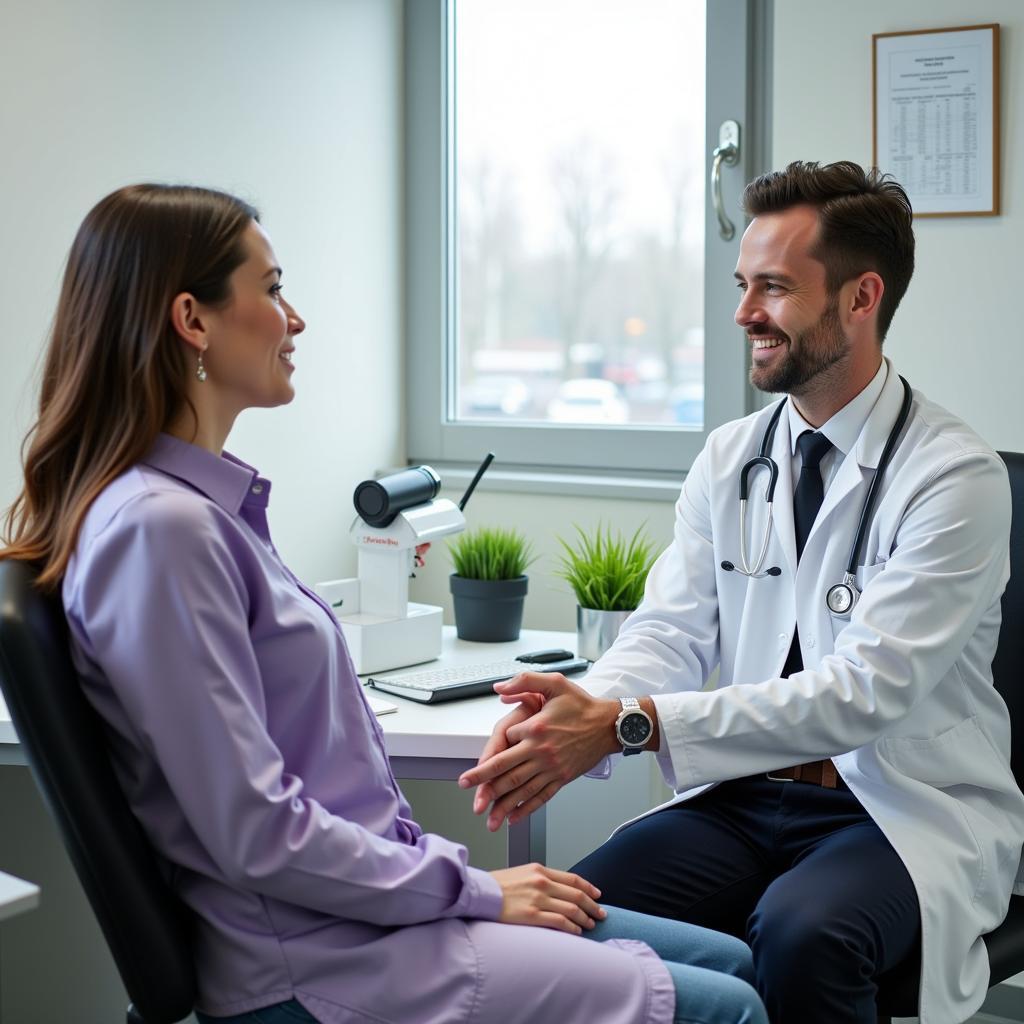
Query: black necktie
x=807 y=499
x=810 y=491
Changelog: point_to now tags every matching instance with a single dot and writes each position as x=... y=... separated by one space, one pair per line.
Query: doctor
x=844 y=795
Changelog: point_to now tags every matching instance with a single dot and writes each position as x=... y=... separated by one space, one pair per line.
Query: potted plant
x=489 y=583
x=607 y=573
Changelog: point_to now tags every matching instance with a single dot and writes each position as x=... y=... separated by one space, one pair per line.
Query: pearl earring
x=201 y=370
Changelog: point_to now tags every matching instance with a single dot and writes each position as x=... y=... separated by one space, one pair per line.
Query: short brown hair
x=865 y=223
x=115 y=370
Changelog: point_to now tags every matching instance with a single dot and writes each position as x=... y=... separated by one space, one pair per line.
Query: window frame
x=563 y=457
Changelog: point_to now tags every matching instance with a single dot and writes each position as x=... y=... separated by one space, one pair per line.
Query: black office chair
x=146 y=927
x=898 y=988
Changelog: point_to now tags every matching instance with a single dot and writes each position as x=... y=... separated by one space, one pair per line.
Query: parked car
x=491 y=396
x=687 y=402
x=588 y=400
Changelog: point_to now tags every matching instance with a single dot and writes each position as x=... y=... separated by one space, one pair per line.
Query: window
x=569 y=298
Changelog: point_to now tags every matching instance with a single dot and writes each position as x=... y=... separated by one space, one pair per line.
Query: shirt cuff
x=671 y=754
x=603 y=768
x=482 y=898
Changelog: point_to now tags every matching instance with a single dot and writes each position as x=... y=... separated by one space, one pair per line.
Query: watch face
x=634 y=729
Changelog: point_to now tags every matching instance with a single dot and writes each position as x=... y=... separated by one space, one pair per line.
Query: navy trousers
x=800 y=872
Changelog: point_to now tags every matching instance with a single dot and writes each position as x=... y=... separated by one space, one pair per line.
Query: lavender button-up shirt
x=245 y=747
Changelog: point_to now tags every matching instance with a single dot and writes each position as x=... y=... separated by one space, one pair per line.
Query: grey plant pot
x=488 y=611
x=596 y=630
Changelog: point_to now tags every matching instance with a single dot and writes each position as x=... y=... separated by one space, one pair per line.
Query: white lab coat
x=900 y=695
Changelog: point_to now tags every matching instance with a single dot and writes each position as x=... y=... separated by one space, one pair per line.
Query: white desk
x=16 y=896
x=10 y=752
x=441 y=741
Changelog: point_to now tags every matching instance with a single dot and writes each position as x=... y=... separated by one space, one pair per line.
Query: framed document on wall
x=936 y=117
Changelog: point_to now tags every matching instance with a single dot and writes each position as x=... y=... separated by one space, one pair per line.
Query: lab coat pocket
x=955 y=757
x=951 y=762
x=866 y=573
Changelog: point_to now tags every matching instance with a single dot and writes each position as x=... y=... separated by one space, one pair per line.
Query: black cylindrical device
x=379 y=501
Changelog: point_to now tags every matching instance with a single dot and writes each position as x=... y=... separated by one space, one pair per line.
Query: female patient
x=237 y=725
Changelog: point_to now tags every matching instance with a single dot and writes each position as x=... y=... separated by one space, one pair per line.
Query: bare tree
x=489 y=234
x=670 y=256
x=585 y=181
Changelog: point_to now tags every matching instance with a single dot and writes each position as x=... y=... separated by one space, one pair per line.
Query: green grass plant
x=491 y=553
x=605 y=570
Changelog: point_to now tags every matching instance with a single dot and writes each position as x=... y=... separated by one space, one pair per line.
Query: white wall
x=296 y=108
x=956 y=335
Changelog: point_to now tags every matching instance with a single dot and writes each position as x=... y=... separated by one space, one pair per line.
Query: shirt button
x=810 y=642
x=257 y=488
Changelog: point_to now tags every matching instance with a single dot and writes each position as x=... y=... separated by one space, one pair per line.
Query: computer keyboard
x=430 y=686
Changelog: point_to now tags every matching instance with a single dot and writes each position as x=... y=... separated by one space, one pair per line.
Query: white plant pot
x=596 y=630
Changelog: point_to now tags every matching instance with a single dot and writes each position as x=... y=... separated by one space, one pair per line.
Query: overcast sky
x=534 y=77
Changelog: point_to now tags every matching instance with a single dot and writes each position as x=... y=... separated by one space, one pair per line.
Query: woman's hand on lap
x=546 y=898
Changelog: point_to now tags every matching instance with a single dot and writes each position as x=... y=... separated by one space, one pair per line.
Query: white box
x=377 y=644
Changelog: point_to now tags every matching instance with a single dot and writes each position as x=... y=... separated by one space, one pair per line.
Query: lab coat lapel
x=881 y=421
x=858 y=465
x=848 y=478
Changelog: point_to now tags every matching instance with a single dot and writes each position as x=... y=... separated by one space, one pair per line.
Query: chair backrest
x=146 y=927
x=1008 y=666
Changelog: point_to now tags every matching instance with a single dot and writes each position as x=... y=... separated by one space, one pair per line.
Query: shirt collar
x=845 y=426
x=224 y=479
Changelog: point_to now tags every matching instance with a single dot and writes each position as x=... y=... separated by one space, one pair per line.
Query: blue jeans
x=712 y=973
x=291 y=1012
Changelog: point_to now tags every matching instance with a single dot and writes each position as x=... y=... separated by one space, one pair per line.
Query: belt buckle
x=777 y=778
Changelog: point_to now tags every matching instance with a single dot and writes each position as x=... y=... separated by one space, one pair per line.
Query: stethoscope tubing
x=841 y=597
x=756 y=571
x=876 y=484
x=761 y=459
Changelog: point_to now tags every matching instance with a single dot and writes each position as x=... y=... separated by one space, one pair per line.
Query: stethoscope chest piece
x=841 y=597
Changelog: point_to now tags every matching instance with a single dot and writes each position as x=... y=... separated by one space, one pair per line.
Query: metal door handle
x=726 y=152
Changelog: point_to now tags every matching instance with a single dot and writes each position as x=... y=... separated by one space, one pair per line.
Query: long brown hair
x=115 y=371
x=864 y=217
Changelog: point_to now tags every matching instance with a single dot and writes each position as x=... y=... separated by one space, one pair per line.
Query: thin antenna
x=488 y=459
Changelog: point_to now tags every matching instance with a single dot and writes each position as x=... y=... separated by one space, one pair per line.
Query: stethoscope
x=841 y=597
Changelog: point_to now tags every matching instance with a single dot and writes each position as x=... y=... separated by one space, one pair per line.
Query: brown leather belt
x=817 y=773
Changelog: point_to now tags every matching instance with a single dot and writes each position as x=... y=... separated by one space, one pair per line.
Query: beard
x=809 y=354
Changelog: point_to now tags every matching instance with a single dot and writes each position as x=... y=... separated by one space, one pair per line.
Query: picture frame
x=935 y=117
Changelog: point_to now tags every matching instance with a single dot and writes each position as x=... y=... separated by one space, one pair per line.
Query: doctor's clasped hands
x=557 y=733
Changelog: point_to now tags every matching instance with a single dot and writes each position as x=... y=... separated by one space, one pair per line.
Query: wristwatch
x=633 y=727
